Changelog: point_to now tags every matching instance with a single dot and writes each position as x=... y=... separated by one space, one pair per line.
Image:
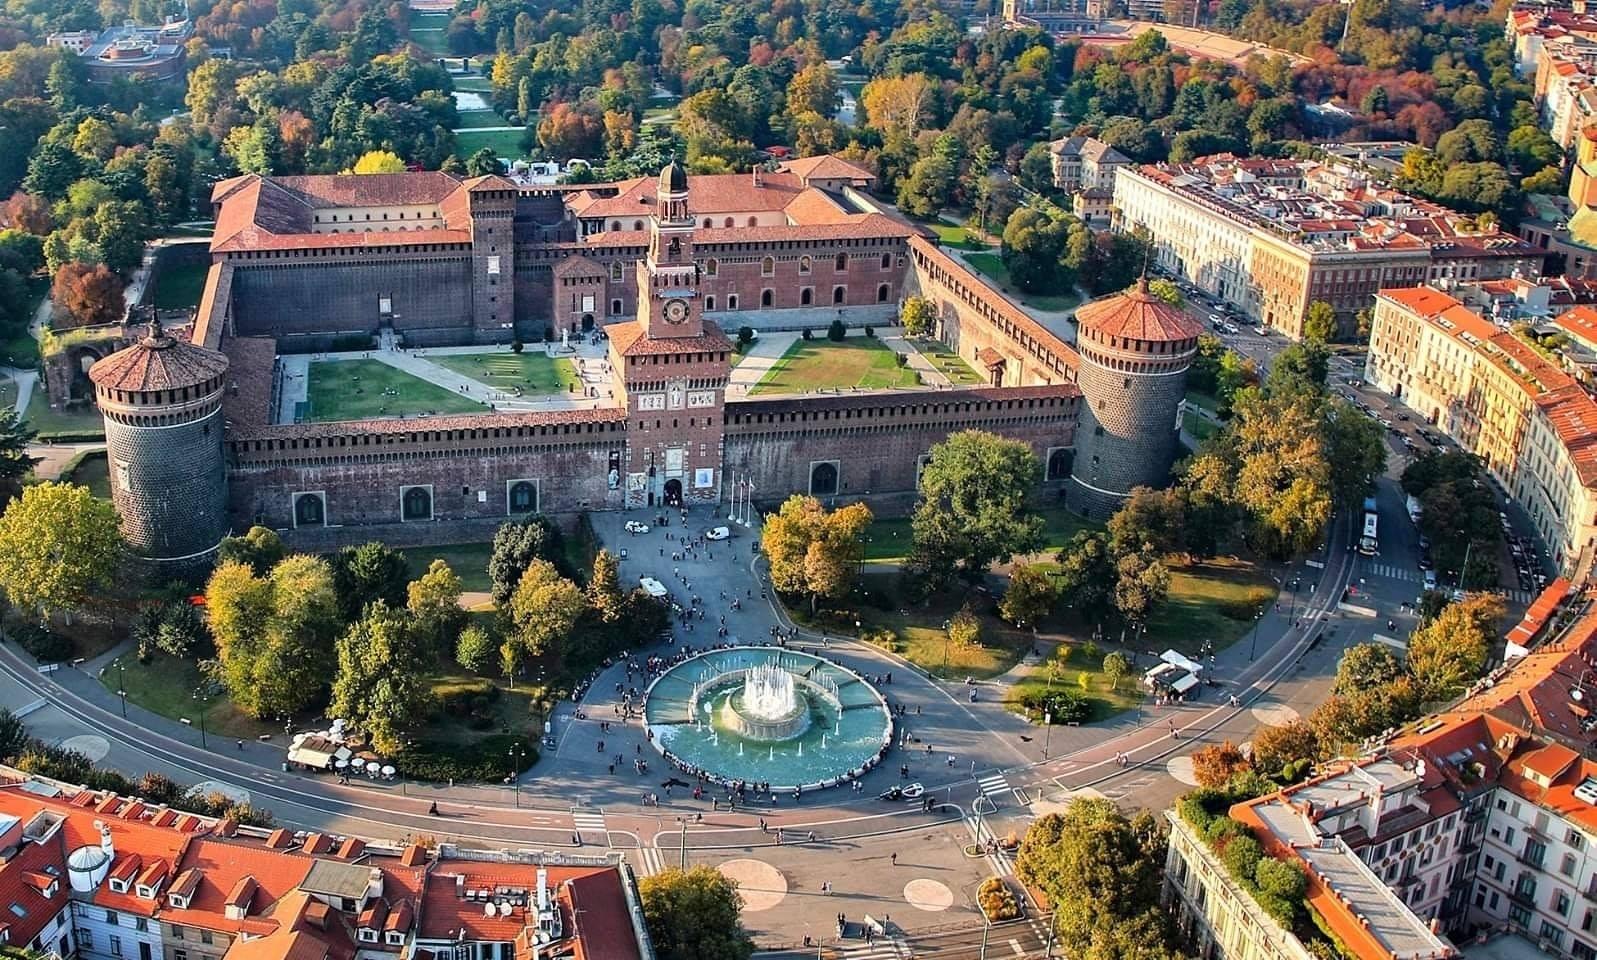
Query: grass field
x=180 y=286
x=919 y=636
x=469 y=561
x=506 y=144
x=82 y=418
x=992 y=267
x=889 y=538
x=1211 y=600
x=1200 y=427
x=166 y=686
x=93 y=471
x=862 y=362
x=473 y=83
x=533 y=372
x=358 y=389
x=948 y=363
x=470 y=119
x=427 y=32
x=1064 y=668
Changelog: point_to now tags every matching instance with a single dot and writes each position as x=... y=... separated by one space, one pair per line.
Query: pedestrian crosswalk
x=588 y=820
x=1406 y=575
x=993 y=786
x=883 y=948
x=650 y=861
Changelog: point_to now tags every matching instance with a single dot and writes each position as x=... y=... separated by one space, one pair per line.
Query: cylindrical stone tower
x=162 y=402
x=1135 y=350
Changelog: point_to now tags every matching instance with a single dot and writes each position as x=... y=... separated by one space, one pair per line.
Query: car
x=1425 y=561
x=1430 y=579
x=635 y=526
x=1262 y=331
x=718 y=533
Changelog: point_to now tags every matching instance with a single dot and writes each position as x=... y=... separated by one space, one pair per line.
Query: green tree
x=1033 y=244
x=974 y=507
x=484 y=162
x=475 y=650
x=545 y=608
x=59 y=548
x=516 y=544
x=1275 y=747
x=1031 y=594
x=433 y=601
x=605 y=596
x=1116 y=667
x=814 y=552
x=1366 y=666
x=928 y=187
x=1449 y=653
x=274 y=635
x=1149 y=519
x=693 y=915
x=964 y=628
x=1356 y=451
x=379 y=686
x=1320 y=322
x=260 y=548
x=13 y=735
x=379 y=161
x=919 y=317
x=1142 y=582
x=15 y=463
x=371 y=571
x=1087 y=575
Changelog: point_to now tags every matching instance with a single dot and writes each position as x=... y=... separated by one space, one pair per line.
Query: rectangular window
x=205 y=936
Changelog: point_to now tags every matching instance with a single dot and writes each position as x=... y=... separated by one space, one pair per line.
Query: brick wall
x=429 y=298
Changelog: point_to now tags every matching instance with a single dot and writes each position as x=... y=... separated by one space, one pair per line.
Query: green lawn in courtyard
x=532 y=371
x=90 y=470
x=180 y=286
x=992 y=267
x=1063 y=669
x=473 y=82
x=820 y=364
x=889 y=538
x=1211 y=600
x=948 y=363
x=470 y=119
x=81 y=418
x=1200 y=427
x=360 y=389
x=469 y=561
x=506 y=144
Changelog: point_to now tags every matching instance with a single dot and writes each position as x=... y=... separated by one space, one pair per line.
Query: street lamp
x=684 y=843
x=122 y=685
x=1253 y=645
x=517 y=754
x=204 y=697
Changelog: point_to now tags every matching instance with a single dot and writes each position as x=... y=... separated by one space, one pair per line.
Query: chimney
x=460 y=885
x=756 y=174
x=105 y=839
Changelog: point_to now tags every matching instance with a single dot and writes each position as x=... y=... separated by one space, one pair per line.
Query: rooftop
x=1138 y=314
x=158 y=362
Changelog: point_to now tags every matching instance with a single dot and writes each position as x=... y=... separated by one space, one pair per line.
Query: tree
x=15 y=463
x=919 y=317
x=379 y=161
x=1449 y=653
x=693 y=915
x=1033 y=243
x=813 y=89
x=813 y=552
x=1216 y=763
x=1364 y=667
x=1319 y=323
x=274 y=635
x=259 y=549
x=379 y=686
x=572 y=130
x=1030 y=596
x=13 y=735
x=605 y=596
x=86 y=295
x=964 y=628
x=1087 y=575
x=1356 y=450
x=928 y=187
x=1102 y=873
x=371 y=571
x=1116 y=667
x=1142 y=582
x=516 y=544
x=1149 y=520
x=544 y=609
x=433 y=600
x=484 y=162
x=475 y=649
x=973 y=509
x=59 y=547
x=901 y=105
x=1275 y=747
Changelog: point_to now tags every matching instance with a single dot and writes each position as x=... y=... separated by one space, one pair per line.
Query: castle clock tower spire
x=668 y=279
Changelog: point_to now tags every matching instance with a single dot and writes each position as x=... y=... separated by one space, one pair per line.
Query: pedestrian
x=895 y=859
x=241 y=745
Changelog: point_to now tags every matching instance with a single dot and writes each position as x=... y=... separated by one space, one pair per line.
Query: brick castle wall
x=429 y=298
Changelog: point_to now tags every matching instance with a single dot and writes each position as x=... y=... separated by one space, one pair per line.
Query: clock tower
x=668 y=279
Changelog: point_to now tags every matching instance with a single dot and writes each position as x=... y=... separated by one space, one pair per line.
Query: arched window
x=805 y=296
x=728 y=222
x=841 y=263
x=823 y=478
x=765 y=297
x=804 y=264
x=754 y=221
x=708 y=223
x=615 y=224
x=887 y=261
x=309 y=510
x=881 y=293
x=767 y=267
x=416 y=503
x=522 y=497
x=711 y=267
x=839 y=294
x=637 y=224
x=731 y=301
x=709 y=303
x=615 y=270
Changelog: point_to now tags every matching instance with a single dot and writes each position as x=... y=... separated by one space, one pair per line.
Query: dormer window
x=178 y=901
x=119 y=886
x=145 y=892
x=367 y=935
x=395 y=938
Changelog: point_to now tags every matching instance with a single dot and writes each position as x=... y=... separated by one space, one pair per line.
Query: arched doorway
x=823 y=478
x=673 y=493
x=309 y=511
x=523 y=497
x=587 y=323
x=417 y=504
x=1059 y=462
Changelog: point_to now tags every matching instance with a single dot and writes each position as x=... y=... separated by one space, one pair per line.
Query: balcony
x=1523 y=896
x=1534 y=861
x=1590 y=893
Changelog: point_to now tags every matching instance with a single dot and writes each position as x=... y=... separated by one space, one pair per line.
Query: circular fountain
x=767 y=715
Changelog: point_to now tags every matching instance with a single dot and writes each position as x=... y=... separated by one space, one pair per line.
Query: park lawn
x=1201 y=428
x=83 y=418
x=889 y=538
x=91 y=470
x=533 y=371
x=1065 y=666
x=427 y=32
x=470 y=119
x=1211 y=600
x=166 y=686
x=506 y=144
x=514 y=710
x=861 y=362
x=362 y=389
x=8 y=393
x=469 y=561
x=921 y=639
x=472 y=83
x=20 y=350
x=948 y=363
x=1205 y=400
x=180 y=286
x=992 y=266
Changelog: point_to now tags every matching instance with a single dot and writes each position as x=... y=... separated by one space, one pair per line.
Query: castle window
x=804 y=264
x=841 y=263
x=615 y=224
x=731 y=301
x=754 y=221
x=709 y=303
x=615 y=270
x=310 y=509
x=711 y=267
x=806 y=296
x=637 y=224
x=416 y=503
x=521 y=496
x=839 y=294
x=765 y=297
x=881 y=293
x=708 y=223
x=615 y=307
x=767 y=268
x=728 y=222
x=887 y=261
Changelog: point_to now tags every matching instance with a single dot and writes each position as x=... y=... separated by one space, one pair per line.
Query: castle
x=654 y=270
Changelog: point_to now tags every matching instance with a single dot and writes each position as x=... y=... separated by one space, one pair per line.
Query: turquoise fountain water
x=768 y=715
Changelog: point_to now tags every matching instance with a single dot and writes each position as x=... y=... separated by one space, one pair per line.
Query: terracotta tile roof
x=215 y=303
x=708 y=194
x=420 y=425
x=597 y=905
x=1138 y=315
x=824 y=167
x=223 y=864
x=628 y=339
x=18 y=894
x=856 y=226
x=1573 y=415
x=815 y=206
x=158 y=362
x=909 y=401
x=306 y=929
x=1539 y=612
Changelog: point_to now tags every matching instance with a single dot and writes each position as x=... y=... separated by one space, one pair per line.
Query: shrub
x=1059 y=706
x=902 y=359
x=836 y=332
x=516 y=346
x=466 y=698
x=1243 y=610
x=486 y=760
x=41 y=643
x=807 y=334
x=1241 y=856
x=997 y=900
x=870 y=331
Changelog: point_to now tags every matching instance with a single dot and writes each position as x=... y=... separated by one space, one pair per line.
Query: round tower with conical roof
x=162 y=403
x=1135 y=352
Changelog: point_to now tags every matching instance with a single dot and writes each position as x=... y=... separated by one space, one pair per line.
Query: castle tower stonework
x=1135 y=352
x=162 y=400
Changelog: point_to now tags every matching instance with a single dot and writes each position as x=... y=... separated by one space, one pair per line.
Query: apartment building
x=1514 y=406
x=1084 y=167
x=111 y=878
x=1531 y=26
x=1482 y=818
x=1270 y=237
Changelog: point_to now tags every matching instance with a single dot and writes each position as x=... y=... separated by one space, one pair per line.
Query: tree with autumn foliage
x=572 y=130
x=86 y=296
x=1216 y=763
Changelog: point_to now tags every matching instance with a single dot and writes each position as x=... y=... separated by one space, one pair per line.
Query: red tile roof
x=1139 y=315
x=158 y=362
x=628 y=338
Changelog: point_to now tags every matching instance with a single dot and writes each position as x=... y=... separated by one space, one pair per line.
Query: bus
x=1368 y=544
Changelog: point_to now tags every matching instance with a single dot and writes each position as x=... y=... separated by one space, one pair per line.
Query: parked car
x=635 y=526
x=718 y=533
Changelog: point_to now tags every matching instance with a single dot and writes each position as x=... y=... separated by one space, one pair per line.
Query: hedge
x=487 y=760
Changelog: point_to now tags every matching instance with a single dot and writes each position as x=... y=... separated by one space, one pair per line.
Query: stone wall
x=169 y=484
x=430 y=298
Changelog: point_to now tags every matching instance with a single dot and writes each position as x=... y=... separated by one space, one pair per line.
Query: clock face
x=676 y=311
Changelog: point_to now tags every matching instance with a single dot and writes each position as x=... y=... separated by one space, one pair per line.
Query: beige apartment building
x=1270 y=237
x=1528 y=420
